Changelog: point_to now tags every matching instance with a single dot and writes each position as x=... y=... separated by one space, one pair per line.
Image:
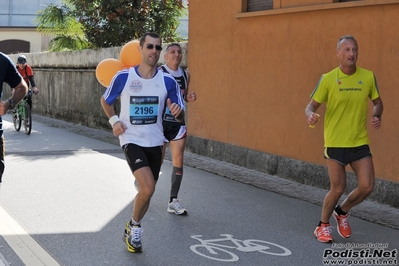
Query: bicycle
x=211 y=250
x=22 y=112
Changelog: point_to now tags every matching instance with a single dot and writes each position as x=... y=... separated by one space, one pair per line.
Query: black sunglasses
x=151 y=46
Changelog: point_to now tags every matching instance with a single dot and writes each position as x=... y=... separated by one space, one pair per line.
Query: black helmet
x=21 y=59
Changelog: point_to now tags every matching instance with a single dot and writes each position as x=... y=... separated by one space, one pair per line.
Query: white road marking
x=3 y=261
x=27 y=249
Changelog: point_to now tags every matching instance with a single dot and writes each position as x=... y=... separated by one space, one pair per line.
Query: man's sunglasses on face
x=151 y=46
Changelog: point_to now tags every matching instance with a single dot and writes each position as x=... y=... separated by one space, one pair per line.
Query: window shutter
x=258 y=5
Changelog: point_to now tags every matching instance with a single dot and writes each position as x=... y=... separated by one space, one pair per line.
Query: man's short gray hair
x=345 y=37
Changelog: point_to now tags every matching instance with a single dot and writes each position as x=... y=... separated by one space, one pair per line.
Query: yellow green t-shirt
x=346 y=97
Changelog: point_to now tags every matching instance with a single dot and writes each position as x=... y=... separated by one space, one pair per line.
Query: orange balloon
x=107 y=69
x=130 y=55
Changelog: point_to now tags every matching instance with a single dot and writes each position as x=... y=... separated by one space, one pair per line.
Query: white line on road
x=27 y=249
x=3 y=261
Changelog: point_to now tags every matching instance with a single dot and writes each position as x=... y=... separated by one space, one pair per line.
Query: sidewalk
x=367 y=210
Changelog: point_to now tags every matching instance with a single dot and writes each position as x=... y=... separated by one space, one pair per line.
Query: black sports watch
x=11 y=101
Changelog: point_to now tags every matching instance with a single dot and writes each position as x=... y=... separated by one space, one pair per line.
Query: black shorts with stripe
x=174 y=132
x=346 y=156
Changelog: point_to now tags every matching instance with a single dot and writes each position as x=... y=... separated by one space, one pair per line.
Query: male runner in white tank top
x=144 y=93
x=175 y=132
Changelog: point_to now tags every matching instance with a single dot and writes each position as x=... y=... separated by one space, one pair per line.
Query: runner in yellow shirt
x=346 y=91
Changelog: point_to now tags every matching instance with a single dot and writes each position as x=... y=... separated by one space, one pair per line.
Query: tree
x=59 y=22
x=108 y=23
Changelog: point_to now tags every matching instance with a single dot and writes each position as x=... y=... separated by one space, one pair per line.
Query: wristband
x=113 y=120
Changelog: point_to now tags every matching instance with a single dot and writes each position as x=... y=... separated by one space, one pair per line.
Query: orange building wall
x=253 y=75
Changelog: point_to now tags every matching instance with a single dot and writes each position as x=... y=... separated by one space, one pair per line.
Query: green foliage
x=59 y=22
x=108 y=23
x=68 y=43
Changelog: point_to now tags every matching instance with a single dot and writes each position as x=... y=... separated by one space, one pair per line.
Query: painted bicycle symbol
x=212 y=249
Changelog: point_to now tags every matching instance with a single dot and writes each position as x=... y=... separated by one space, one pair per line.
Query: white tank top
x=142 y=105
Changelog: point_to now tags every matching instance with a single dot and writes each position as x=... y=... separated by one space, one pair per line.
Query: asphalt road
x=65 y=198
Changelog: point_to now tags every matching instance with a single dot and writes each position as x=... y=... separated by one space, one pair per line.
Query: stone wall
x=68 y=86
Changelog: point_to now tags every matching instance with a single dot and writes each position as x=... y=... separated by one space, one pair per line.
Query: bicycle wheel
x=17 y=120
x=267 y=247
x=218 y=253
x=27 y=119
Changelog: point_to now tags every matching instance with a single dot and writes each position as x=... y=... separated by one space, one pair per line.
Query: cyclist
x=26 y=72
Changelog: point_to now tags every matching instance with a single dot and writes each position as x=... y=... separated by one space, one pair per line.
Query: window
x=258 y=5
x=14 y=46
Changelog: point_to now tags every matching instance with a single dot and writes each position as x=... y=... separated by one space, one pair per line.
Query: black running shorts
x=345 y=156
x=138 y=157
x=174 y=132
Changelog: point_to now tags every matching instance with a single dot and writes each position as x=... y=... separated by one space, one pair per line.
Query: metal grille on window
x=258 y=5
